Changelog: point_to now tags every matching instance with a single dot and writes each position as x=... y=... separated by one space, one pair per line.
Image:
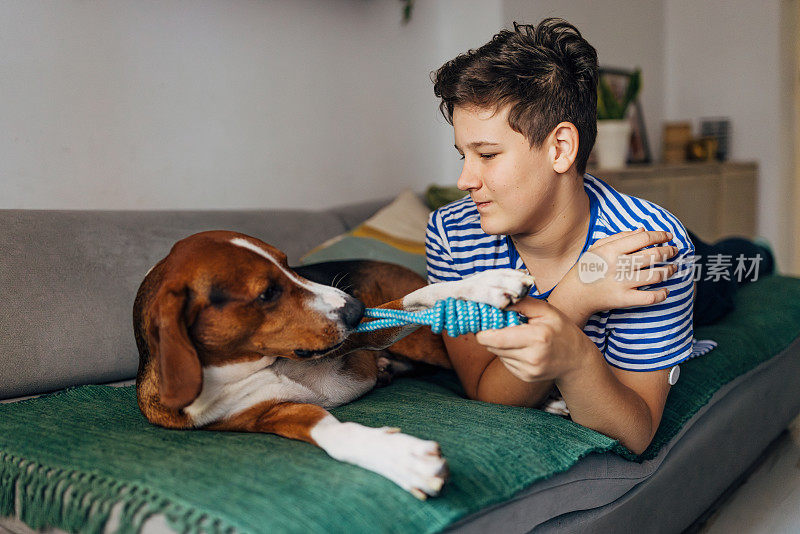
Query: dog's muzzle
x=350 y=316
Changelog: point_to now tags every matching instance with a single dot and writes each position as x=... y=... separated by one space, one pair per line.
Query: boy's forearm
x=622 y=414
x=499 y=386
x=569 y=302
x=485 y=377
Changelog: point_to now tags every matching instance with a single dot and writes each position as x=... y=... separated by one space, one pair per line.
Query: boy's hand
x=548 y=347
x=609 y=274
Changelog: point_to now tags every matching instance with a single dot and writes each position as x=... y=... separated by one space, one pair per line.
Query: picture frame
x=639 y=150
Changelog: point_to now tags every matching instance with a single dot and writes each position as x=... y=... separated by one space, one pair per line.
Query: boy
x=523 y=108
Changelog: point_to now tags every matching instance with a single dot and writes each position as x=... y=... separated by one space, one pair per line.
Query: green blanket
x=70 y=456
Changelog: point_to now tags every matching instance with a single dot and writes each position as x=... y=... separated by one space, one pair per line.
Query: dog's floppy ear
x=179 y=371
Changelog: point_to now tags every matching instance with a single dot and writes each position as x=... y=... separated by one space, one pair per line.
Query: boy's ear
x=564 y=148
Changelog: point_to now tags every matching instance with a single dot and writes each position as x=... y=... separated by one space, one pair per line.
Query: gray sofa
x=67 y=281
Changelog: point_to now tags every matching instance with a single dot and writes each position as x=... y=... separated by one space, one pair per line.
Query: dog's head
x=223 y=297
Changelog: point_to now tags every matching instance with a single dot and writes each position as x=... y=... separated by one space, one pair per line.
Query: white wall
x=217 y=104
x=734 y=58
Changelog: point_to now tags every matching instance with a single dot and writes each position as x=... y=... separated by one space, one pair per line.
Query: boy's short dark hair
x=546 y=73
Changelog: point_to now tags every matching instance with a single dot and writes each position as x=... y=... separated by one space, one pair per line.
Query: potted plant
x=613 y=129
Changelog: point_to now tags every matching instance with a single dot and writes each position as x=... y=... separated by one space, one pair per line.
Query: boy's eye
x=483 y=156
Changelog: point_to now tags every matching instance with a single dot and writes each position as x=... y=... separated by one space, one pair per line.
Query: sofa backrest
x=68 y=280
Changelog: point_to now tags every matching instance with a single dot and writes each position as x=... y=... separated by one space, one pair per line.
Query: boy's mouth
x=481 y=205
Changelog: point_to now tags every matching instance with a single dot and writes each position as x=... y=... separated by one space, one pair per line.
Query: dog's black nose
x=352 y=312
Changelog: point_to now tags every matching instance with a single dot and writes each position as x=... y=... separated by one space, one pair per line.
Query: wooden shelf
x=713 y=200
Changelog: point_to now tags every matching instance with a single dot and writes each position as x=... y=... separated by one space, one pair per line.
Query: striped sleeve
x=658 y=336
x=440 y=264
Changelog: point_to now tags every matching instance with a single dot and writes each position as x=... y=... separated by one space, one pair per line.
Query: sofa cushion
x=395 y=234
x=68 y=280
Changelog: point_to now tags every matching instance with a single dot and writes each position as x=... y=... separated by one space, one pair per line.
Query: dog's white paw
x=497 y=287
x=414 y=464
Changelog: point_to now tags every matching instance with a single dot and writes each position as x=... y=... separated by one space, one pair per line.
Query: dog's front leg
x=414 y=464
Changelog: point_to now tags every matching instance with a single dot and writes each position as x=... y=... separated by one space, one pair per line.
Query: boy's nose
x=468 y=180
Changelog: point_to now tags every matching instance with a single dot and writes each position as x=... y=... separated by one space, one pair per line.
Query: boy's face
x=512 y=184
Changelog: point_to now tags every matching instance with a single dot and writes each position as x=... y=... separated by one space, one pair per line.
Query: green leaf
x=632 y=91
x=609 y=107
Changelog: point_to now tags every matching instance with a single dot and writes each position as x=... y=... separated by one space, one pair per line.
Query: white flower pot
x=612 y=143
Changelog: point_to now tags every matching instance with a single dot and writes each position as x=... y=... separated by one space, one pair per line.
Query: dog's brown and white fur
x=231 y=338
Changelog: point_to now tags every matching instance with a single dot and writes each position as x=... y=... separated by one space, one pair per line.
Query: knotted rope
x=456 y=316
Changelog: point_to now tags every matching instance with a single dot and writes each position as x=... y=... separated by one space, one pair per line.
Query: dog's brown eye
x=270 y=294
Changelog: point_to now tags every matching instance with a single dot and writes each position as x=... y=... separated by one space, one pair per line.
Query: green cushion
x=94 y=440
x=437 y=196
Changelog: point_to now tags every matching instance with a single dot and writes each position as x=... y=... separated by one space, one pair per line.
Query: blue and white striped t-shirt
x=642 y=338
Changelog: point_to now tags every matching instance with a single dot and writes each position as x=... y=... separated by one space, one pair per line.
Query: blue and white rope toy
x=456 y=316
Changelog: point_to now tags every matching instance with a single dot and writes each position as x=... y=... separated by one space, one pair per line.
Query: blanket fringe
x=75 y=501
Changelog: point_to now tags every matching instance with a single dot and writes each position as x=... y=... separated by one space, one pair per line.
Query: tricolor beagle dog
x=231 y=338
